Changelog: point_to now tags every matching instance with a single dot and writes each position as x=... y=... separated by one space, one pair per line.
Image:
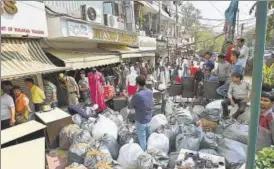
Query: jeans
x=143 y=132
x=241 y=103
x=38 y=107
x=222 y=90
x=221 y=83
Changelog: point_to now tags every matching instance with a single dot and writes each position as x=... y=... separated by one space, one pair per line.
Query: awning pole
x=261 y=17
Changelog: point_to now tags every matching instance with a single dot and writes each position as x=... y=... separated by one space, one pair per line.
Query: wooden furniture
x=55 y=120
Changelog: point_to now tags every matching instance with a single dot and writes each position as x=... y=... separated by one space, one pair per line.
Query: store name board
x=114 y=36
x=147 y=43
x=9 y=7
x=79 y=30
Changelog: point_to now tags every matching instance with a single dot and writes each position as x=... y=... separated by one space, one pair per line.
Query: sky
x=216 y=9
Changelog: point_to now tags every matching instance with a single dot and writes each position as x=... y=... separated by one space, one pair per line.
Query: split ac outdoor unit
x=91 y=14
x=111 y=21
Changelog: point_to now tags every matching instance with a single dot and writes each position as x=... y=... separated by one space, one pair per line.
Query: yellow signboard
x=114 y=36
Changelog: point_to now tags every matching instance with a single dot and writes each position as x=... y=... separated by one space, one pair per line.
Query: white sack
x=158 y=142
x=157 y=121
x=217 y=104
x=77 y=119
x=128 y=155
x=104 y=126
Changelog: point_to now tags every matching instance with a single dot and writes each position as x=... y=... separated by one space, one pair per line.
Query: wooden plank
x=29 y=155
x=20 y=130
x=53 y=115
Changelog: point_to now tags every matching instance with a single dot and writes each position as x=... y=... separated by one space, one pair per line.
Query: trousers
x=241 y=103
x=143 y=132
x=222 y=90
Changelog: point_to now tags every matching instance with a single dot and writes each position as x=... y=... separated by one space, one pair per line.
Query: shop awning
x=21 y=57
x=124 y=51
x=80 y=60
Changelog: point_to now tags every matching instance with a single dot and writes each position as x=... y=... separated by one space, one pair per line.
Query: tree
x=270 y=23
x=190 y=15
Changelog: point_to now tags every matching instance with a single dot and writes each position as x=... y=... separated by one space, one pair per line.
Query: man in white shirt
x=243 y=49
x=7 y=111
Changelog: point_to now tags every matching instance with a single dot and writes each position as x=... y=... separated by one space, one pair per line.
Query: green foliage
x=265 y=158
x=206 y=41
x=268 y=73
x=190 y=15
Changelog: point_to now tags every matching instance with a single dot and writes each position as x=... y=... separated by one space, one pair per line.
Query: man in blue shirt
x=209 y=64
x=142 y=102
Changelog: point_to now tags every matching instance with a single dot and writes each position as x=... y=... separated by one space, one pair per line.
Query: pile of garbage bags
x=109 y=141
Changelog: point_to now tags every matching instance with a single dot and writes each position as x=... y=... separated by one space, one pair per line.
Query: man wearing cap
x=243 y=49
x=238 y=93
x=72 y=89
x=84 y=87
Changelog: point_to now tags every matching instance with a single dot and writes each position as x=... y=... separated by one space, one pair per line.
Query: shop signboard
x=104 y=35
x=23 y=18
x=147 y=43
x=79 y=30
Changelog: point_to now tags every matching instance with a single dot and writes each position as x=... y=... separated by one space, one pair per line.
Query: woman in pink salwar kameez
x=96 y=81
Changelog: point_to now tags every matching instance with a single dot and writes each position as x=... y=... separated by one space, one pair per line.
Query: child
x=223 y=69
x=238 y=93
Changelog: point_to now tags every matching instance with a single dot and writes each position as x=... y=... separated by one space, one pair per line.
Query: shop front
x=147 y=46
x=21 y=53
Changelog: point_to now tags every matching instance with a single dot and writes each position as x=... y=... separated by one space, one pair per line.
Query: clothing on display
x=96 y=81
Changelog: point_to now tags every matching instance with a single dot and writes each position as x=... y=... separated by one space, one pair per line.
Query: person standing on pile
x=223 y=69
x=238 y=93
x=72 y=89
x=142 y=102
x=84 y=87
x=38 y=95
x=236 y=67
x=243 y=49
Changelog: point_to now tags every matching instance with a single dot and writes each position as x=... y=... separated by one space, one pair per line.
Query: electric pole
x=242 y=29
x=176 y=25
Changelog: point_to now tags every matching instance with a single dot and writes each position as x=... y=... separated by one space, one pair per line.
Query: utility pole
x=234 y=25
x=242 y=29
x=261 y=19
x=176 y=26
x=238 y=22
x=159 y=26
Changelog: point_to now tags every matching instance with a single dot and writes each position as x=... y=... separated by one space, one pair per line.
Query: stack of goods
x=110 y=140
x=109 y=92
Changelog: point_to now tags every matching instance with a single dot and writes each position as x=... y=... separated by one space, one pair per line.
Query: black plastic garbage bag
x=181 y=116
x=156 y=110
x=223 y=124
x=126 y=133
x=171 y=131
x=77 y=153
x=160 y=159
x=144 y=161
x=112 y=145
x=173 y=157
x=233 y=151
x=210 y=141
x=67 y=135
x=84 y=137
x=190 y=141
x=209 y=151
x=210 y=114
x=114 y=116
x=237 y=132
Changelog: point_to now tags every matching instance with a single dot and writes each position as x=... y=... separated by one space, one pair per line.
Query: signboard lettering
x=22 y=30
x=79 y=30
x=9 y=7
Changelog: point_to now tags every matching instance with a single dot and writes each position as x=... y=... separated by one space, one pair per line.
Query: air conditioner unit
x=91 y=14
x=111 y=21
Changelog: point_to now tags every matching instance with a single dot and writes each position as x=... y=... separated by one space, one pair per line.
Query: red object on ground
x=179 y=79
x=131 y=90
x=109 y=92
x=96 y=81
x=228 y=54
x=193 y=70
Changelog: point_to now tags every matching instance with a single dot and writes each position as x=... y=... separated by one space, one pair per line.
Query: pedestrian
x=230 y=47
x=38 y=95
x=238 y=93
x=209 y=64
x=243 y=49
x=72 y=89
x=142 y=102
x=193 y=68
x=8 y=88
x=236 y=67
x=22 y=109
x=7 y=110
x=50 y=93
x=223 y=69
x=84 y=87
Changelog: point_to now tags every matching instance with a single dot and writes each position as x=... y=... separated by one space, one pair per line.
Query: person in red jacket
x=230 y=47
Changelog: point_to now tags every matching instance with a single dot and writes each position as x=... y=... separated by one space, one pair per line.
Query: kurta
x=96 y=81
